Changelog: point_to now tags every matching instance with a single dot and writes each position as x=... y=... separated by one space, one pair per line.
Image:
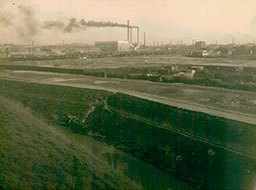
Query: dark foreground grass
x=34 y=155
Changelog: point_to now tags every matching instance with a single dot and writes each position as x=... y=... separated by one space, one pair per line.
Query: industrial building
x=119 y=46
x=109 y=46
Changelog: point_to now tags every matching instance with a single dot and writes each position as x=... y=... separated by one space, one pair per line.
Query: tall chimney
x=138 y=35
x=32 y=48
x=128 y=30
x=131 y=34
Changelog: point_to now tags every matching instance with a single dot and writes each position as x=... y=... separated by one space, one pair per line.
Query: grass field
x=34 y=155
x=136 y=61
x=228 y=73
x=216 y=101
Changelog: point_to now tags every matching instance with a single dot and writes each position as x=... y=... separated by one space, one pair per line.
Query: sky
x=164 y=21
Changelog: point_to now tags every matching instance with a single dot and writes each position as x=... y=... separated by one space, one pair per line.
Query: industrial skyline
x=163 y=21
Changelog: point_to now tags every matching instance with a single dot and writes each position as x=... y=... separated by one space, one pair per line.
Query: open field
x=226 y=73
x=136 y=61
x=233 y=104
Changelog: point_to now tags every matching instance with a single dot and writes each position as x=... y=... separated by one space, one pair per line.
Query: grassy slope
x=34 y=155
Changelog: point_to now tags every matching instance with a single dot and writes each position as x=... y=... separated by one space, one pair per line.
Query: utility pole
x=144 y=39
x=131 y=34
x=32 y=48
x=128 y=30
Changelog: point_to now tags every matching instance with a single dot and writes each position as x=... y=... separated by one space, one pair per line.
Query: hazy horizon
x=21 y=21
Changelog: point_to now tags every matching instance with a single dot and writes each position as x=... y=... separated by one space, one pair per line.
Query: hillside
x=34 y=155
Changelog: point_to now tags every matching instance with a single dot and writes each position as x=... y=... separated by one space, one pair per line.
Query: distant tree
x=223 y=51
x=242 y=50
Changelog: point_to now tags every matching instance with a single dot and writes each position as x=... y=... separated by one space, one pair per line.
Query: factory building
x=109 y=46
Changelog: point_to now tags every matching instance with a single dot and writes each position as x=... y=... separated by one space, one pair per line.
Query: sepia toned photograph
x=127 y=94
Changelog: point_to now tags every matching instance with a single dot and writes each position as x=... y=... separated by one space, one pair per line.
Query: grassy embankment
x=34 y=155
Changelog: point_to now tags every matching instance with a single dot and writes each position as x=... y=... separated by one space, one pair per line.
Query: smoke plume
x=100 y=24
x=77 y=25
x=30 y=27
x=5 y=20
x=66 y=28
x=54 y=24
x=27 y=26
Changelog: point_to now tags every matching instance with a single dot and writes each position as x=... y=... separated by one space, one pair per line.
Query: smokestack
x=144 y=39
x=131 y=35
x=32 y=48
x=128 y=30
x=138 y=35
